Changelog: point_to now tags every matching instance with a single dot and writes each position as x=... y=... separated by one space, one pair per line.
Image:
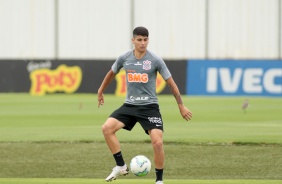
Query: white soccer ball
x=140 y=165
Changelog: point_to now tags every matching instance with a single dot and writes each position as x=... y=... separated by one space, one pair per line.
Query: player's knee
x=106 y=129
x=158 y=145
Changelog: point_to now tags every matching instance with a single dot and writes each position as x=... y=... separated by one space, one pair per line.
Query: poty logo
x=252 y=80
x=63 y=79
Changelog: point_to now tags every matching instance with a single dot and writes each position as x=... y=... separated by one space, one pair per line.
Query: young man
x=141 y=103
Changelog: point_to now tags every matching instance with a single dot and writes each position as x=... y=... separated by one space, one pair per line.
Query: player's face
x=140 y=43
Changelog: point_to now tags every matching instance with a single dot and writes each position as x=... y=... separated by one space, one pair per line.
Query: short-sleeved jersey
x=141 y=76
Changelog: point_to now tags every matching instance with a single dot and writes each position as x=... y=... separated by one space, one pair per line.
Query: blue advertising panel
x=234 y=77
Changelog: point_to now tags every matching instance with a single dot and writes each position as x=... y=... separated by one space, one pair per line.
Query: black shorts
x=148 y=116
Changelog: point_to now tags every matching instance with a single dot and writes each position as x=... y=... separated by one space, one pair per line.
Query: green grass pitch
x=58 y=139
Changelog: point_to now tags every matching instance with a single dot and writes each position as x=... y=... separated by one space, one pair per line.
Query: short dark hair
x=141 y=31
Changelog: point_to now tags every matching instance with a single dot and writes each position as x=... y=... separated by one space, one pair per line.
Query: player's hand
x=185 y=112
x=100 y=99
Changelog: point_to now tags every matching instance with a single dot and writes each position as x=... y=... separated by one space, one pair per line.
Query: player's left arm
x=184 y=111
x=107 y=80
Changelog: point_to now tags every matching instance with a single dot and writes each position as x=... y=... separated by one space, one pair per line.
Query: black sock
x=119 y=159
x=159 y=174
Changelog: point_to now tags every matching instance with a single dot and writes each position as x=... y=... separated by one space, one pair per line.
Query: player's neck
x=138 y=55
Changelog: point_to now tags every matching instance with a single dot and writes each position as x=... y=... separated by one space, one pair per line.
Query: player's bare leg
x=109 y=129
x=159 y=155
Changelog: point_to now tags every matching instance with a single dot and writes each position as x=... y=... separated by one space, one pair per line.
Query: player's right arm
x=107 y=80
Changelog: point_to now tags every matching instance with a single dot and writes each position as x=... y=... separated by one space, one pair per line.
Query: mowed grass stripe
x=130 y=181
x=93 y=160
x=76 y=117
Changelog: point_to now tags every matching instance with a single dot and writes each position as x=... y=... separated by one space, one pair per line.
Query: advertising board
x=234 y=77
x=41 y=77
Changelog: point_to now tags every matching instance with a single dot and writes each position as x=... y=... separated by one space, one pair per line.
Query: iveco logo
x=252 y=80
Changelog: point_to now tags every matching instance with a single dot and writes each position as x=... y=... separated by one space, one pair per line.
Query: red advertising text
x=63 y=79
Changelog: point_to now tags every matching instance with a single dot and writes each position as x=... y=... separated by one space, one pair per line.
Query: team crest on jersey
x=147 y=65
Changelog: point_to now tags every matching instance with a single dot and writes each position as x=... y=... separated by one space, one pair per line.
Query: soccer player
x=141 y=103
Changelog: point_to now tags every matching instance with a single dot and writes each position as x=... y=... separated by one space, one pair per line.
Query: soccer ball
x=140 y=165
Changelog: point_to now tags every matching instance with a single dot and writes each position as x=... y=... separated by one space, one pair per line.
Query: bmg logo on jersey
x=137 y=77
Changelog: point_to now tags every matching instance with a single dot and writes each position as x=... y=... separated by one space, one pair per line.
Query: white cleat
x=117 y=171
x=159 y=182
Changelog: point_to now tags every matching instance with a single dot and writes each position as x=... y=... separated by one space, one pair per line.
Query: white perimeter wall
x=179 y=29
